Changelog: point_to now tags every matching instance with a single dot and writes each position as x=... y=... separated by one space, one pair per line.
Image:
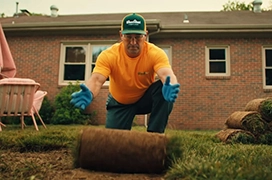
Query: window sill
x=217 y=77
x=267 y=90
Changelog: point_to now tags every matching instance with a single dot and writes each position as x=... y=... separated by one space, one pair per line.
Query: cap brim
x=133 y=32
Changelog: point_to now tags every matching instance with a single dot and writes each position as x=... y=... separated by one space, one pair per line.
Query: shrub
x=65 y=112
x=10 y=119
x=47 y=111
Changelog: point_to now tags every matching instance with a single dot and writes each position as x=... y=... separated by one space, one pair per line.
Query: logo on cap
x=133 y=23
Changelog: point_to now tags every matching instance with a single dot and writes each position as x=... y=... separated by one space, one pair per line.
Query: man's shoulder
x=114 y=47
x=151 y=46
x=112 y=50
x=153 y=49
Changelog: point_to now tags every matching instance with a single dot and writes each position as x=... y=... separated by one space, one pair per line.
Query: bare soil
x=55 y=165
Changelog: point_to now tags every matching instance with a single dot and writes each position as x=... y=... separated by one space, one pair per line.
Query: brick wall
x=202 y=103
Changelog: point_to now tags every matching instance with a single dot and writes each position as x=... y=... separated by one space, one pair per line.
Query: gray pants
x=120 y=116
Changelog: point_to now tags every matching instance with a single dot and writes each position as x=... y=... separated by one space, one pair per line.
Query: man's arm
x=164 y=72
x=170 y=88
x=84 y=97
x=95 y=82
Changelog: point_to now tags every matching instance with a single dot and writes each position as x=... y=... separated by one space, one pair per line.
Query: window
x=168 y=51
x=74 y=63
x=267 y=64
x=77 y=61
x=96 y=50
x=217 y=61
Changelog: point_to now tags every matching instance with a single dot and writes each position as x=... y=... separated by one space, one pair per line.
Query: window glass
x=217 y=54
x=268 y=75
x=268 y=66
x=74 y=72
x=217 y=67
x=268 y=57
x=75 y=54
x=96 y=50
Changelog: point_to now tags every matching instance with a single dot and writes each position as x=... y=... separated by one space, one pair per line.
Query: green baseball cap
x=133 y=24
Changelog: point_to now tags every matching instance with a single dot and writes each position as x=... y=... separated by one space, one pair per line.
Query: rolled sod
x=121 y=151
x=263 y=106
x=247 y=120
x=236 y=136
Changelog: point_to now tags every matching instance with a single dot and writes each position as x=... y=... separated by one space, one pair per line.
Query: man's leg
x=119 y=116
x=154 y=102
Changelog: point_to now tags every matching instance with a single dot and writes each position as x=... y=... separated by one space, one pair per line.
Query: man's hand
x=169 y=91
x=82 y=98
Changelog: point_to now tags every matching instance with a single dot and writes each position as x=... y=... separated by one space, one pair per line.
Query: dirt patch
x=55 y=165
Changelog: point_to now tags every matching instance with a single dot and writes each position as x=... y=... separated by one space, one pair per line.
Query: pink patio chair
x=20 y=97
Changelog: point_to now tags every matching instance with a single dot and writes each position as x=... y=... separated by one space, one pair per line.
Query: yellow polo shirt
x=130 y=77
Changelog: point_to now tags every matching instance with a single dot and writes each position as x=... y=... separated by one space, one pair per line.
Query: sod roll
x=263 y=106
x=121 y=151
x=247 y=120
x=235 y=136
x=254 y=105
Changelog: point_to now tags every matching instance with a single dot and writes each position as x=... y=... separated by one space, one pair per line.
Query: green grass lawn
x=202 y=156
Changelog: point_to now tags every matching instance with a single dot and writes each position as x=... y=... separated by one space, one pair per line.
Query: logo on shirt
x=143 y=73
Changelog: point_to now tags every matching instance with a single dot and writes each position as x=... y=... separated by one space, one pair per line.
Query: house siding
x=202 y=103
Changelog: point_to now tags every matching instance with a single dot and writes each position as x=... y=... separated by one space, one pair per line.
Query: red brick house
x=222 y=59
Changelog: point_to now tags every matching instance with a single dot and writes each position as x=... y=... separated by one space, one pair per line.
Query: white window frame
x=264 y=67
x=88 y=60
x=169 y=54
x=207 y=60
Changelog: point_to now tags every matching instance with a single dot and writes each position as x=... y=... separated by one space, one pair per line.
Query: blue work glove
x=82 y=98
x=169 y=91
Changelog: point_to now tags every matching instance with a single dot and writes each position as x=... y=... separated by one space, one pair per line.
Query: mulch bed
x=55 y=165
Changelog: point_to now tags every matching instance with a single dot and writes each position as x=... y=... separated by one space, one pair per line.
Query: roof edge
x=217 y=26
x=67 y=24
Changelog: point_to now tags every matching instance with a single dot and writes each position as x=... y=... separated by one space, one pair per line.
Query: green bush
x=47 y=111
x=65 y=112
x=10 y=119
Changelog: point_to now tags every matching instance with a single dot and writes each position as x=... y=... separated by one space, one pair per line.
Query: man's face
x=133 y=43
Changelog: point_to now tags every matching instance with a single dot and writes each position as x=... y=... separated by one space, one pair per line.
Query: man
x=131 y=66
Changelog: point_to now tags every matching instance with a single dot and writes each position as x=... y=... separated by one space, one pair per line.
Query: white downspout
x=155 y=32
